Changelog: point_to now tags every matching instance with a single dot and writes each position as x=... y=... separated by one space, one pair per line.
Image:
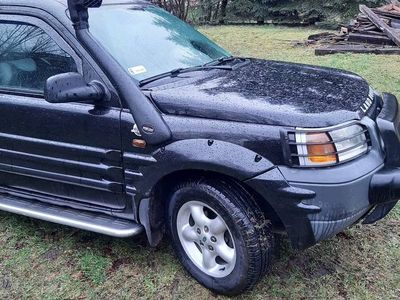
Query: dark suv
x=140 y=123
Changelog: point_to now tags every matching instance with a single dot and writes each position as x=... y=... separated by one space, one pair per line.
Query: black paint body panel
x=266 y=92
x=57 y=150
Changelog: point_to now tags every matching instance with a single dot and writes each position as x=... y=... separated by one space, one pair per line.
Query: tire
x=238 y=257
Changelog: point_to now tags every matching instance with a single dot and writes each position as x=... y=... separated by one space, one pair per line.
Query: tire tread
x=246 y=213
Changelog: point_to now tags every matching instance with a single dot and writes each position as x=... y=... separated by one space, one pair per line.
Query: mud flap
x=153 y=236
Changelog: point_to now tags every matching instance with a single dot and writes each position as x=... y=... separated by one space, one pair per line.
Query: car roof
x=57 y=8
x=43 y=4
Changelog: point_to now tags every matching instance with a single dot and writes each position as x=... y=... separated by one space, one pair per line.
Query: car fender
x=193 y=154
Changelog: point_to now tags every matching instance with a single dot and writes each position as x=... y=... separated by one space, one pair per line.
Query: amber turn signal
x=320 y=149
x=137 y=143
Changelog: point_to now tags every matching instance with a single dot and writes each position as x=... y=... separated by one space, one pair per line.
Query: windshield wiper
x=176 y=72
x=224 y=59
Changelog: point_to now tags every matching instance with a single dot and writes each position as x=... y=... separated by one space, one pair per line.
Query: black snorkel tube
x=150 y=123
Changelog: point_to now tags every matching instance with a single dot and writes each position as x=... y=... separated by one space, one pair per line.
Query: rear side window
x=29 y=56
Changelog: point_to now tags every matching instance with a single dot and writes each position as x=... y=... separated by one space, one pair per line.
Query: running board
x=90 y=221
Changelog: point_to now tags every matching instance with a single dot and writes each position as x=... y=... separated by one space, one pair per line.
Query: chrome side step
x=71 y=217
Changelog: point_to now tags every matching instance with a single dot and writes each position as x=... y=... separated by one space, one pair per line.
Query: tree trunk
x=260 y=21
x=216 y=12
x=224 y=4
x=209 y=13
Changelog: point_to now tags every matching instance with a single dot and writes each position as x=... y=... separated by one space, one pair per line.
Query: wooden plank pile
x=376 y=30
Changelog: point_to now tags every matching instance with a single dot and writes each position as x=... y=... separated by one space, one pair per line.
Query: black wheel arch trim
x=290 y=204
x=146 y=172
x=198 y=154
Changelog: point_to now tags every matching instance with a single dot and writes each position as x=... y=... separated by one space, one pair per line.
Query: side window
x=28 y=56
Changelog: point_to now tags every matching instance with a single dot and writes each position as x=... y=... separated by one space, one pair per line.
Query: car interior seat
x=6 y=74
x=11 y=71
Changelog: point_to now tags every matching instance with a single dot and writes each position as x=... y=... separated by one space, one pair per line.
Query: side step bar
x=71 y=217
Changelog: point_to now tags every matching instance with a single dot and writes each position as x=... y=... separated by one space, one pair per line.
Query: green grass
x=39 y=260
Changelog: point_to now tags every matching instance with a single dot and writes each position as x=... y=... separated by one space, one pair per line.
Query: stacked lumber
x=376 y=30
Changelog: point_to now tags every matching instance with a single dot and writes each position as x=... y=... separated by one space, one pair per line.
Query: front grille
x=366 y=105
x=372 y=105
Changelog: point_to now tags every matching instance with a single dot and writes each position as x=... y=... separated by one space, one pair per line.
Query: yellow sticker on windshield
x=137 y=70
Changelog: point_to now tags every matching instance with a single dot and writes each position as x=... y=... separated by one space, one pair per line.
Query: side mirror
x=71 y=87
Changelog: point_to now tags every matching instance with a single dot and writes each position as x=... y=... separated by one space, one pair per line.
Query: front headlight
x=327 y=146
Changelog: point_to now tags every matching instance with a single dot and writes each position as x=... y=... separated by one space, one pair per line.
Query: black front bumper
x=316 y=204
x=384 y=193
x=385 y=185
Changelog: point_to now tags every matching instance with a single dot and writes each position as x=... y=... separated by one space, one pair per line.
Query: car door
x=70 y=153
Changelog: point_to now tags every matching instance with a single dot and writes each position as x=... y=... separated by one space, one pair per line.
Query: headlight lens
x=328 y=146
x=350 y=142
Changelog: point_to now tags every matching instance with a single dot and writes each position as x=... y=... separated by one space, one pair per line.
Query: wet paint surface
x=266 y=92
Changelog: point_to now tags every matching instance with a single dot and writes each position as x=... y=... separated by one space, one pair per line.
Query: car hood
x=266 y=92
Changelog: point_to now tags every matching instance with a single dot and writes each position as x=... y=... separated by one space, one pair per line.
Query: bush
x=314 y=11
x=294 y=12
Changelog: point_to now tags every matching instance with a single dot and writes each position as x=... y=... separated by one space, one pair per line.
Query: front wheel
x=219 y=234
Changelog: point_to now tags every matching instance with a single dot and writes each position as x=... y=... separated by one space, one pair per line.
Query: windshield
x=150 y=41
